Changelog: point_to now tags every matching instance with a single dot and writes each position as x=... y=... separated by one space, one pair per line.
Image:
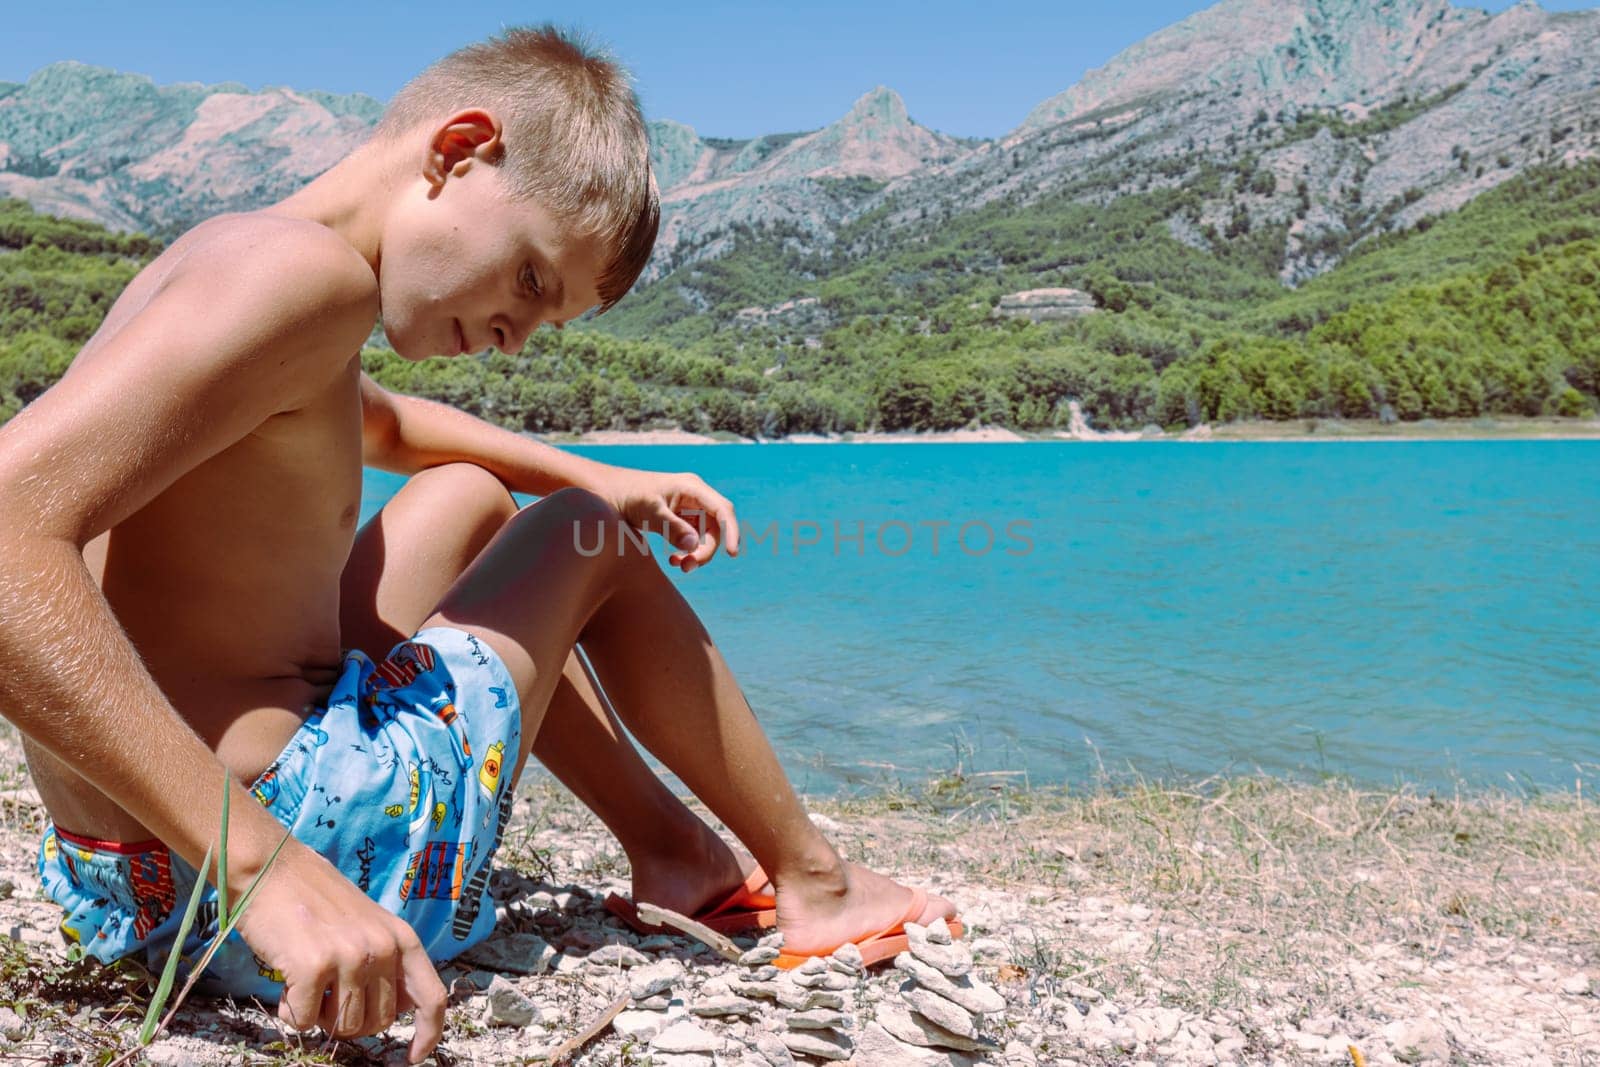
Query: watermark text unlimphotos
x=838 y=537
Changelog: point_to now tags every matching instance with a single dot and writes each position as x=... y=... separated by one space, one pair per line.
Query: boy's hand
x=693 y=517
x=348 y=965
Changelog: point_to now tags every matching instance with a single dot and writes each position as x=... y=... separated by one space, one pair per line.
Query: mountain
x=1305 y=127
x=115 y=148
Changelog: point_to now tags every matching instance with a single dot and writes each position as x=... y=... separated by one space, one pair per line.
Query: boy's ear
x=461 y=140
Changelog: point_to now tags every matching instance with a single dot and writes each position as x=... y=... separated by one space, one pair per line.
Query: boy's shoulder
x=278 y=256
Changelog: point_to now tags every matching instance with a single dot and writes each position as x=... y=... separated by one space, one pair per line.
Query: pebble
x=772 y=940
x=506 y=1006
x=825 y=980
x=639 y=1025
x=846 y=959
x=914 y=1029
x=724 y=1005
x=877 y=1047
x=758 y=955
x=821 y=1044
x=774 y=1051
x=685 y=1036
x=1576 y=985
x=818 y=1019
x=951 y=960
x=965 y=991
x=938 y=932
x=948 y=1014
x=513 y=954
x=616 y=955
x=644 y=982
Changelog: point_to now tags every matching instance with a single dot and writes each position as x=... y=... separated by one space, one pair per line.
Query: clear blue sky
x=727 y=69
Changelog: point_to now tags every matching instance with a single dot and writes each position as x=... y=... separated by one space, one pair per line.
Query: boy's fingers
x=345 y=1010
x=426 y=995
x=381 y=1002
x=301 y=1003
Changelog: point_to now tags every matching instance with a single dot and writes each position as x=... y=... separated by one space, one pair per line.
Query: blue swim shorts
x=403 y=782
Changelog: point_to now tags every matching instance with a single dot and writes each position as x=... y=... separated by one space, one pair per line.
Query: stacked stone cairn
x=941 y=1008
x=759 y=1016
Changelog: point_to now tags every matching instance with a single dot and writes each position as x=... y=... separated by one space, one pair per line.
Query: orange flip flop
x=886 y=944
x=743 y=909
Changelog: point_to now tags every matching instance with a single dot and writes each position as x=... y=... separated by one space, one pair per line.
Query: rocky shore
x=1231 y=921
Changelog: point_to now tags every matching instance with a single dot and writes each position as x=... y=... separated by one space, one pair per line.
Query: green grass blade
x=222 y=851
x=226 y=929
x=147 y=1032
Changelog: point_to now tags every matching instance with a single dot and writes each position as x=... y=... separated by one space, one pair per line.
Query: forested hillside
x=1493 y=310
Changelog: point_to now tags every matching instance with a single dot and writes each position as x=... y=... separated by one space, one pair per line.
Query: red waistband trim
x=120 y=848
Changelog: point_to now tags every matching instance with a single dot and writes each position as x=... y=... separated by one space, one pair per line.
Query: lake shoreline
x=1263 y=431
x=1225 y=920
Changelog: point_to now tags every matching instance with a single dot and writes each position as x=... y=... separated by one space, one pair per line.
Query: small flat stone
x=914 y=1029
x=821 y=1044
x=774 y=1051
x=685 y=1036
x=658 y=943
x=877 y=1047
x=951 y=960
x=824 y=979
x=724 y=1005
x=794 y=997
x=772 y=940
x=513 y=954
x=656 y=1002
x=823 y=998
x=615 y=955
x=819 y=1019
x=639 y=1025
x=505 y=1005
x=939 y=1011
x=757 y=956
x=764 y=974
x=939 y=932
x=654 y=978
x=846 y=959
x=682 y=1059
x=967 y=991
x=811 y=965
x=762 y=990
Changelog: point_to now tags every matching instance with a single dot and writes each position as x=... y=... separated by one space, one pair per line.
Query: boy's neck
x=352 y=198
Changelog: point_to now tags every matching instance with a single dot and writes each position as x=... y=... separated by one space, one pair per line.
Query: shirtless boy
x=180 y=573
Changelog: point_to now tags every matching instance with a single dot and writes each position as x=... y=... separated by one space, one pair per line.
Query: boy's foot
x=819 y=916
x=715 y=878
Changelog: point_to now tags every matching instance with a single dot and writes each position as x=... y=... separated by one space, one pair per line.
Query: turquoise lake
x=1418 y=611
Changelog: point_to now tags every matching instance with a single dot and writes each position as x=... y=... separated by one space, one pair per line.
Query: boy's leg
x=531 y=594
x=403 y=562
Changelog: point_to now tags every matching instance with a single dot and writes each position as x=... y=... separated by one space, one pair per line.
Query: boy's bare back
x=226 y=578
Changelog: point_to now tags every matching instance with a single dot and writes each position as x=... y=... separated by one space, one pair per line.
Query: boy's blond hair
x=573 y=133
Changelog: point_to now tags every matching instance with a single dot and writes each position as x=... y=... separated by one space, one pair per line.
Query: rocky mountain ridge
x=1330 y=119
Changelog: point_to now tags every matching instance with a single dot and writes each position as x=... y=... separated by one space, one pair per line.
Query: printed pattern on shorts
x=403 y=782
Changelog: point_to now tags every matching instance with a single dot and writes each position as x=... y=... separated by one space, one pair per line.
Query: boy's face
x=464 y=267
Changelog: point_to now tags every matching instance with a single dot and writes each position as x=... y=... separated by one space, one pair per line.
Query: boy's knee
x=469 y=489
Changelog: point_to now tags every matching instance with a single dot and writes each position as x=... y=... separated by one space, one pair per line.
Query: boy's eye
x=530 y=281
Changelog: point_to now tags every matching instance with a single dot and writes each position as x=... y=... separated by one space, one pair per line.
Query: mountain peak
x=881 y=105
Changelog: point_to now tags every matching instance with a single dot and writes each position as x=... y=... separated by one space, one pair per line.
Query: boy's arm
x=407 y=434
x=201 y=366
